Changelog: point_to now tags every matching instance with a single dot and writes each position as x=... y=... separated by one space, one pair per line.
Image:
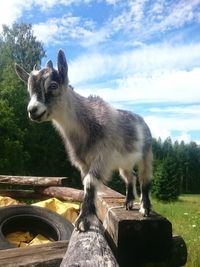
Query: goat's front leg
x=88 y=209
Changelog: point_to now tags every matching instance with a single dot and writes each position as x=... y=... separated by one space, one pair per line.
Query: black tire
x=35 y=220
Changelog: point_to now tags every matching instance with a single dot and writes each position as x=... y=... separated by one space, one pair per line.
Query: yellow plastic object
x=68 y=210
x=6 y=201
x=25 y=239
x=39 y=240
x=19 y=238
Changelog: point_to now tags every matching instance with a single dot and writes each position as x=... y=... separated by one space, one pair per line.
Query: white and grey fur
x=98 y=137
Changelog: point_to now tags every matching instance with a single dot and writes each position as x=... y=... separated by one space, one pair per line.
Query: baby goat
x=98 y=137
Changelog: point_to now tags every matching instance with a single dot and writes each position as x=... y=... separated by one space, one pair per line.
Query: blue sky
x=139 y=55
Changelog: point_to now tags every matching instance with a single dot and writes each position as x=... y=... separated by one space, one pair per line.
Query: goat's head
x=45 y=87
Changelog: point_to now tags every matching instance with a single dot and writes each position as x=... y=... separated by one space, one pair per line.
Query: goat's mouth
x=37 y=118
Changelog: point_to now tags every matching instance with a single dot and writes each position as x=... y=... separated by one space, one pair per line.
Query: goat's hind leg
x=130 y=180
x=145 y=175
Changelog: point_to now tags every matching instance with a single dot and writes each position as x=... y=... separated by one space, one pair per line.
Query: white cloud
x=152 y=73
x=163 y=127
x=189 y=109
x=184 y=136
x=144 y=19
x=69 y=28
x=46 y=4
x=12 y=10
x=176 y=86
x=135 y=21
x=148 y=63
x=166 y=86
x=179 y=13
x=112 y=2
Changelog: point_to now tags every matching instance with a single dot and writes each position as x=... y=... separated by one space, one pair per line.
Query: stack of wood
x=38 y=188
x=118 y=235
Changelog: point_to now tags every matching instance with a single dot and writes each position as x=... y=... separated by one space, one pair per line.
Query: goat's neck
x=66 y=119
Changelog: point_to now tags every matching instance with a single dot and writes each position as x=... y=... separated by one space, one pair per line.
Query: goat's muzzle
x=36 y=111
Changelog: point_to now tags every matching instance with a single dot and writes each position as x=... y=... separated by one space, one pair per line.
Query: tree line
x=28 y=148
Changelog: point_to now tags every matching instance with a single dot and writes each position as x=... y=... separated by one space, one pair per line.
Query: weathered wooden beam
x=47 y=255
x=62 y=193
x=134 y=238
x=30 y=194
x=89 y=249
x=33 y=181
x=178 y=252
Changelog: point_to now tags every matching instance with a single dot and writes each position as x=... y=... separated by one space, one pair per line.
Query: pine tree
x=166 y=183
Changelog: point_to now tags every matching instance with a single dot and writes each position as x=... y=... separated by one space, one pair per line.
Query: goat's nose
x=32 y=110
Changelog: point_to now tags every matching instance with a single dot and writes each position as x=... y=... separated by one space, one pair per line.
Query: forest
x=28 y=148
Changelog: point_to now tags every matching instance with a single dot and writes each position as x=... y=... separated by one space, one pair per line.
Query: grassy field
x=184 y=215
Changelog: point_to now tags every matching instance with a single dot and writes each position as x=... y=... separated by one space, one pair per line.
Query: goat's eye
x=53 y=86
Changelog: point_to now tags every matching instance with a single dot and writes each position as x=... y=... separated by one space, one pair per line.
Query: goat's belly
x=126 y=162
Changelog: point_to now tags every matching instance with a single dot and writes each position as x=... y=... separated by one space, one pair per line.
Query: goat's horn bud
x=36 y=67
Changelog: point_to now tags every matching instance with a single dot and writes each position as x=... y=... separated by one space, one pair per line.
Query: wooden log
x=47 y=255
x=33 y=181
x=134 y=238
x=89 y=249
x=72 y=194
x=178 y=252
x=30 y=194
x=62 y=193
x=178 y=255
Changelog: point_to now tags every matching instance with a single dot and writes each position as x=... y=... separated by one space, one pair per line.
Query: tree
x=39 y=149
x=16 y=44
x=166 y=183
x=185 y=163
x=21 y=46
x=12 y=155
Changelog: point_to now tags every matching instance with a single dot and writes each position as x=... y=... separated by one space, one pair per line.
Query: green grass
x=184 y=215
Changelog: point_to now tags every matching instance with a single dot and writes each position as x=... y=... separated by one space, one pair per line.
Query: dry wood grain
x=62 y=193
x=36 y=256
x=31 y=180
x=89 y=249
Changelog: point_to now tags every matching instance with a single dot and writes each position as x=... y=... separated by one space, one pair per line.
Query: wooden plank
x=33 y=181
x=134 y=238
x=36 y=256
x=62 y=193
x=89 y=249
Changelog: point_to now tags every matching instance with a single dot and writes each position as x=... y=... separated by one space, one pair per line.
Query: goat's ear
x=22 y=74
x=49 y=64
x=62 y=67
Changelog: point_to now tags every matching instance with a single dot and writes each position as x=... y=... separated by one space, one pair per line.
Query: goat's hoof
x=145 y=211
x=129 y=205
x=83 y=223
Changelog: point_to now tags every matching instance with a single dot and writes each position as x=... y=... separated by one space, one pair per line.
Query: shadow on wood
x=89 y=249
